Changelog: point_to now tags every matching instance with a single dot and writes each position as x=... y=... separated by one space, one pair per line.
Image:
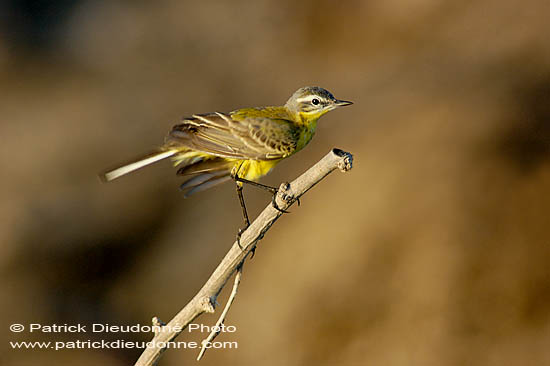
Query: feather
x=234 y=137
x=207 y=165
x=196 y=181
x=137 y=164
x=208 y=184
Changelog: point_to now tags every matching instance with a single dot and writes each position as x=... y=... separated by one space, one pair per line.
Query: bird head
x=312 y=102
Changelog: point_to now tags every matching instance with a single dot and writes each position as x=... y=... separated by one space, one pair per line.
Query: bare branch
x=216 y=329
x=205 y=299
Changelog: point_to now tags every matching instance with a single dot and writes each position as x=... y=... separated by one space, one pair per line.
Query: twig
x=205 y=300
x=217 y=328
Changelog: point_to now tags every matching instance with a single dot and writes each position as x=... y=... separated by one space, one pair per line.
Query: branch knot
x=208 y=303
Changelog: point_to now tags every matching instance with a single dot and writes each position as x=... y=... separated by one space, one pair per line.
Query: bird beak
x=342 y=103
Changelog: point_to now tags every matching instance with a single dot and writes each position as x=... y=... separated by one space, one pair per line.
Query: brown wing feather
x=218 y=134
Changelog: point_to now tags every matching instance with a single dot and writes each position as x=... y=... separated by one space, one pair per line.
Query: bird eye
x=315 y=101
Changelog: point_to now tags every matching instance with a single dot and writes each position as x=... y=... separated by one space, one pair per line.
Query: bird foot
x=282 y=192
x=240 y=233
x=275 y=206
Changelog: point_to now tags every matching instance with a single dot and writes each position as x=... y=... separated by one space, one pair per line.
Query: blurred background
x=433 y=250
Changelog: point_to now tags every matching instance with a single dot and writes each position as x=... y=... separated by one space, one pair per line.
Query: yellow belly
x=247 y=169
x=254 y=169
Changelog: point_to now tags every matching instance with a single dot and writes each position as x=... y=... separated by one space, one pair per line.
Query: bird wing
x=220 y=134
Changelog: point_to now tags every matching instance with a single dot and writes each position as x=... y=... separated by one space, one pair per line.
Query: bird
x=242 y=145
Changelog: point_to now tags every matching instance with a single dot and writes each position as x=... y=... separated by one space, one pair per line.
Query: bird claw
x=275 y=206
x=239 y=234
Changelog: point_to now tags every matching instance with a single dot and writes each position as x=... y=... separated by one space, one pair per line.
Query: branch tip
x=156 y=321
x=157 y=325
x=346 y=163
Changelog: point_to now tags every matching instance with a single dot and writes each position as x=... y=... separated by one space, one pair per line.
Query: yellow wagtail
x=242 y=145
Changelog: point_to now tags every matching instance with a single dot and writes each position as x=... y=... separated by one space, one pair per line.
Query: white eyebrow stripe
x=308 y=98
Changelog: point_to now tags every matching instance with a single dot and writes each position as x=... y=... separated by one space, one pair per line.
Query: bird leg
x=245 y=214
x=270 y=189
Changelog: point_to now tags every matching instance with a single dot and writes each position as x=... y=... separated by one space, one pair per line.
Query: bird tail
x=136 y=164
